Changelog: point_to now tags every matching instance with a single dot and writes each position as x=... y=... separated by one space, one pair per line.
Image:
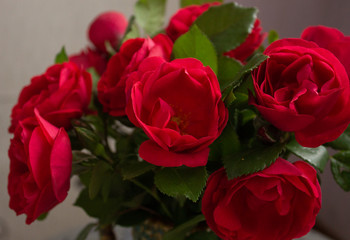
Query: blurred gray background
x=33 y=31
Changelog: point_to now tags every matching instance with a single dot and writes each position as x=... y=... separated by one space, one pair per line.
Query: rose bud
x=280 y=202
x=40 y=167
x=107 y=27
x=304 y=89
x=178 y=105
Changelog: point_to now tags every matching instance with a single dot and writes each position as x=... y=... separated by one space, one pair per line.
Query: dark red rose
x=90 y=58
x=331 y=39
x=40 y=167
x=178 y=105
x=251 y=43
x=304 y=89
x=111 y=87
x=280 y=202
x=107 y=27
x=62 y=93
x=182 y=20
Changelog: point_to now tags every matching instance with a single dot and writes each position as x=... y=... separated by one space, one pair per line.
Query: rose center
x=181 y=120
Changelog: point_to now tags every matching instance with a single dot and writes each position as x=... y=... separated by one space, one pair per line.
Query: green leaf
x=61 y=57
x=196 y=44
x=179 y=232
x=185 y=3
x=181 y=181
x=132 y=31
x=273 y=36
x=227 y=25
x=203 y=235
x=82 y=162
x=132 y=169
x=242 y=160
x=80 y=157
x=341 y=143
x=97 y=207
x=253 y=63
x=98 y=178
x=149 y=14
x=43 y=216
x=318 y=157
x=95 y=78
x=340 y=166
x=85 y=231
x=91 y=141
x=252 y=160
x=227 y=70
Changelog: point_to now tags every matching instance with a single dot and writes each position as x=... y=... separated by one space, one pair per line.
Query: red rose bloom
x=251 y=43
x=62 y=93
x=179 y=106
x=107 y=27
x=90 y=58
x=111 y=87
x=40 y=167
x=280 y=202
x=182 y=20
x=331 y=39
x=304 y=89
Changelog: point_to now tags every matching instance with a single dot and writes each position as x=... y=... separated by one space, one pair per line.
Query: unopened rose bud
x=107 y=27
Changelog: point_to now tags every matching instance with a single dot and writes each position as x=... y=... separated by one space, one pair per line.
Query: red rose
x=107 y=27
x=90 y=58
x=304 y=89
x=179 y=106
x=251 y=43
x=62 y=93
x=182 y=20
x=331 y=39
x=280 y=202
x=40 y=167
x=111 y=87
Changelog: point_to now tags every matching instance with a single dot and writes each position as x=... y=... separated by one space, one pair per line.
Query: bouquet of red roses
x=187 y=127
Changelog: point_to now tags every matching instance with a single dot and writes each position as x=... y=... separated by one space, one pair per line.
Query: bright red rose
x=331 y=39
x=107 y=27
x=111 y=87
x=62 y=93
x=304 y=89
x=178 y=105
x=251 y=43
x=280 y=202
x=182 y=20
x=90 y=58
x=40 y=167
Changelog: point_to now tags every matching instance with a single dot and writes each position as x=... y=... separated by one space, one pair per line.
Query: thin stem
x=137 y=208
x=154 y=195
x=105 y=133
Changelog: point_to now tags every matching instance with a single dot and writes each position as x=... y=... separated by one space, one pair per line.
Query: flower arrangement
x=187 y=127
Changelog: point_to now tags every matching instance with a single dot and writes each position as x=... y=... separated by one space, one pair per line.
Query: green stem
x=154 y=195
